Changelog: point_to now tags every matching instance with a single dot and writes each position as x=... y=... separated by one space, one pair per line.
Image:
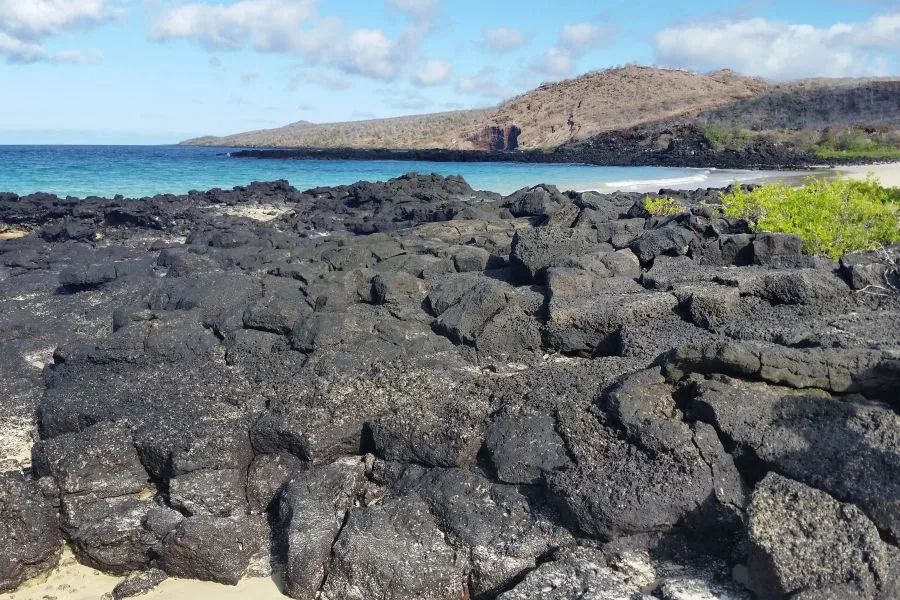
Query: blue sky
x=157 y=71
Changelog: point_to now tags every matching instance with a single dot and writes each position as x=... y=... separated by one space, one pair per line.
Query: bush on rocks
x=832 y=217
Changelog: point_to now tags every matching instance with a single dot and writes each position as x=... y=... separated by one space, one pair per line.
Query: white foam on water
x=668 y=182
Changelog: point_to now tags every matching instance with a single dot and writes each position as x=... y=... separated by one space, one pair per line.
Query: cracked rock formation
x=413 y=389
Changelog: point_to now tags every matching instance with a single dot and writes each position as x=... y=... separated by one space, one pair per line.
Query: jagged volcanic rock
x=414 y=389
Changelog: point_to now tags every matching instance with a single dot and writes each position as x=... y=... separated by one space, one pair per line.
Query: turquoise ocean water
x=138 y=171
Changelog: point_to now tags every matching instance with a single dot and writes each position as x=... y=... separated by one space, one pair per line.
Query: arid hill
x=616 y=99
x=607 y=102
x=548 y=116
x=815 y=104
x=437 y=130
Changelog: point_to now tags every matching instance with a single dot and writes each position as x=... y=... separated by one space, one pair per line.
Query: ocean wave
x=698 y=178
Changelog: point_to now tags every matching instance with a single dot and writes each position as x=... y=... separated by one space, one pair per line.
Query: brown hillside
x=815 y=104
x=548 y=116
x=616 y=99
x=437 y=130
x=603 y=102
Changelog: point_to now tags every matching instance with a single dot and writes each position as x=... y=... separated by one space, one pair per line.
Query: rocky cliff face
x=816 y=105
x=496 y=139
x=415 y=390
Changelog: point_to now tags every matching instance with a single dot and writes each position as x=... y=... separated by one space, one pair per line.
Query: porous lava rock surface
x=413 y=389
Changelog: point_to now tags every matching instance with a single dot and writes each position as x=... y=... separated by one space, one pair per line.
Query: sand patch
x=16 y=442
x=258 y=212
x=12 y=234
x=887 y=174
x=71 y=580
x=39 y=358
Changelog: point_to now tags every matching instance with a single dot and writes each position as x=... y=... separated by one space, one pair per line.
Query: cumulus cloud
x=578 y=38
x=369 y=52
x=37 y=19
x=555 y=62
x=781 y=50
x=16 y=50
x=263 y=24
x=574 y=41
x=484 y=84
x=435 y=72
x=503 y=39
x=25 y=24
x=291 y=26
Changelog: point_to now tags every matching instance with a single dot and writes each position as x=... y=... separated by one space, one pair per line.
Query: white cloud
x=484 y=84
x=263 y=24
x=368 y=52
x=293 y=27
x=578 y=38
x=15 y=50
x=782 y=50
x=555 y=62
x=435 y=72
x=503 y=39
x=574 y=41
x=417 y=8
x=37 y=19
x=24 y=24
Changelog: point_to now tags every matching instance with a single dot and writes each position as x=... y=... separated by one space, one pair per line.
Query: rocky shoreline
x=656 y=145
x=412 y=389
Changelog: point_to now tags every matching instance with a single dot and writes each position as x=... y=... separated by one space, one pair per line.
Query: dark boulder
x=647 y=474
x=311 y=511
x=138 y=584
x=394 y=551
x=31 y=540
x=534 y=249
x=267 y=476
x=671 y=239
x=803 y=540
x=105 y=493
x=582 y=573
x=522 y=450
x=847 y=450
x=592 y=324
x=502 y=530
x=211 y=548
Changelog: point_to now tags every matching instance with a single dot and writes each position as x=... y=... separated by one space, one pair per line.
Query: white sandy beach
x=73 y=581
x=888 y=174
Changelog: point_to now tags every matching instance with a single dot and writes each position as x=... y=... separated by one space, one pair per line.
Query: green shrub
x=875 y=152
x=663 y=207
x=858 y=143
x=723 y=135
x=833 y=217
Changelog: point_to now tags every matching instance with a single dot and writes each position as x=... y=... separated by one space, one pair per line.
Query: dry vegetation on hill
x=820 y=116
x=548 y=116
x=615 y=99
x=437 y=130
